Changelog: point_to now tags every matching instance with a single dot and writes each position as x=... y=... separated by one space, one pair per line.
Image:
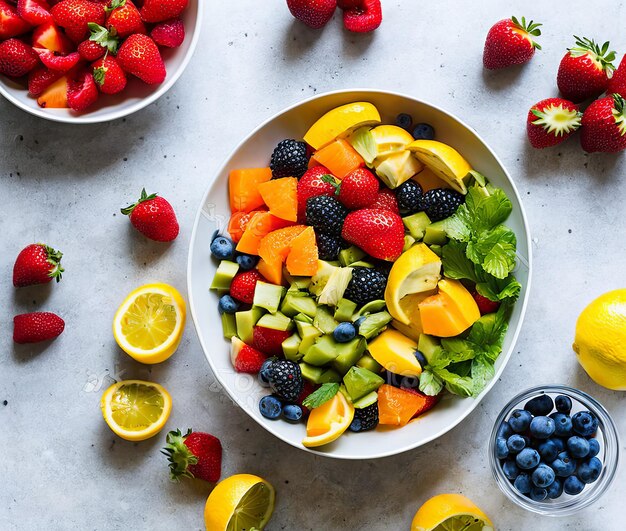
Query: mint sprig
x=321 y=395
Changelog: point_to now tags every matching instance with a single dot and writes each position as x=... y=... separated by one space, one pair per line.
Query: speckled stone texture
x=61 y=467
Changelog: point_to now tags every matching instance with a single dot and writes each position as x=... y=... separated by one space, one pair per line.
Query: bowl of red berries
x=89 y=61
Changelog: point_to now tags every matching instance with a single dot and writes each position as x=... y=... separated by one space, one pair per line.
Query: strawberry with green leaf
x=194 y=455
x=510 y=42
x=108 y=75
x=551 y=121
x=37 y=263
x=604 y=125
x=124 y=17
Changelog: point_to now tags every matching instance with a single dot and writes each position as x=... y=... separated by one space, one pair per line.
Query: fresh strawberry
x=551 y=121
x=314 y=13
x=243 y=285
x=16 y=58
x=11 y=24
x=37 y=326
x=125 y=18
x=365 y=17
x=75 y=15
x=170 y=33
x=82 y=91
x=386 y=200
x=51 y=37
x=34 y=12
x=90 y=50
x=583 y=72
x=37 y=263
x=378 y=232
x=603 y=126
x=140 y=57
x=160 y=10
x=315 y=181
x=194 y=455
x=348 y=4
x=358 y=189
x=484 y=304
x=40 y=78
x=154 y=217
x=510 y=43
x=617 y=83
x=269 y=341
x=58 y=62
x=108 y=75
x=245 y=358
x=427 y=403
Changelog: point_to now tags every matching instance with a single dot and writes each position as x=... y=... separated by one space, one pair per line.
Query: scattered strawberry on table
x=551 y=121
x=359 y=16
x=367 y=269
x=72 y=53
x=154 y=217
x=510 y=42
x=194 y=455
x=37 y=326
x=37 y=263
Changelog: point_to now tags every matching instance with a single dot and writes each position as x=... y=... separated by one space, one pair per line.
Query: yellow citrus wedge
x=417 y=270
x=136 y=410
x=443 y=160
x=149 y=324
x=396 y=353
x=340 y=122
x=328 y=421
x=450 y=512
x=240 y=502
x=389 y=139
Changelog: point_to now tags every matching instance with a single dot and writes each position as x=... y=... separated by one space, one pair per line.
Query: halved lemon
x=240 y=502
x=443 y=160
x=149 y=324
x=450 y=512
x=327 y=422
x=136 y=410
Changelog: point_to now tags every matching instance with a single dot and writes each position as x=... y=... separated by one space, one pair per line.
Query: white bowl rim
x=115 y=115
x=524 y=302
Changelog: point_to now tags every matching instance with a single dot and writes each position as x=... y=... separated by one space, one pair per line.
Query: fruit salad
x=365 y=272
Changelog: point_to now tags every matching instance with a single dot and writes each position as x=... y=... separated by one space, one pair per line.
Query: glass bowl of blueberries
x=554 y=450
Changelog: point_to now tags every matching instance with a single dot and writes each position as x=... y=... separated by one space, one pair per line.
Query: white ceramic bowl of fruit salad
x=135 y=96
x=401 y=330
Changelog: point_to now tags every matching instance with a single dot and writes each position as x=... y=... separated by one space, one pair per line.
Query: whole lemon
x=600 y=342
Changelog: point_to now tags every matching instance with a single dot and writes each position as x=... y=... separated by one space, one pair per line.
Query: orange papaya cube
x=339 y=157
x=243 y=188
x=272 y=272
x=261 y=224
x=396 y=406
x=450 y=312
x=281 y=197
x=276 y=245
x=302 y=258
x=237 y=224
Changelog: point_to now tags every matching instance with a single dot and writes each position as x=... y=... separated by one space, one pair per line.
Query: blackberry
x=328 y=246
x=441 y=203
x=289 y=159
x=367 y=284
x=325 y=214
x=365 y=418
x=286 y=379
x=410 y=198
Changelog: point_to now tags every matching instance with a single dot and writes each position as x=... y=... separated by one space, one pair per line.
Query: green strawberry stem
x=532 y=28
x=618 y=113
x=599 y=54
x=114 y=5
x=144 y=197
x=327 y=178
x=54 y=259
x=179 y=456
x=104 y=37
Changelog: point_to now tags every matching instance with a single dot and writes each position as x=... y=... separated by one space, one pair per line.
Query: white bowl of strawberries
x=89 y=61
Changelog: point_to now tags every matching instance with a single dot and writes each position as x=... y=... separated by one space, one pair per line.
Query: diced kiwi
x=435 y=234
x=276 y=321
x=291 y=346
x=429 y=346
x=324 y=320
x=416 y=224
x=348 y=354
x=345 y=310
x=336 y=286
x=319 y=280
x=409 y=241
x=229 y=325
x=311 y=373
x=350 y=255
x=360 y=381
x=224 y=275
x=295 y=303
x=361 y=263
x=308 y=334
x=322 y=352
x=367 y=400
x=268 y=296
x=367 y=362
x=246 y=321
x=330 y=376
x=374 y=324
x=303 y=318
x=372 y=307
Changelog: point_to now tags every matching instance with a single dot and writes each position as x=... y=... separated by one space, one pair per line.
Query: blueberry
x=538 y=494
x=344 y=332
x=585 y=423
x=404 y=120
x=542 y=427
x=359 y=322
x=559 y=443
x=502 y=450
x=520 y=420
x=548 y=450
x=270 y=407
x=543 y=476
x=555 y=489
x=572 y=485
x=563 y=404
x=222 y=248
x=522 y=483
x=292 y=412
x=562 y=424
x=594 y=448
x=510 y=469
x=264 y=372
x=516 y=443
x=504 y=430
x=578 y=447
x=540 y=406
x=528 y=458
x=227 y=304
x=421 y=359
x=589 y=470
x=246 y=261
x=564 y=465
x=423 y=132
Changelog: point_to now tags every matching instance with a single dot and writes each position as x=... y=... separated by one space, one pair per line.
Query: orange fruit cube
x=339 y=157
x=243 y=188
x=261 y=224
x=302 y=258
x=281 y=197
x=396 y=406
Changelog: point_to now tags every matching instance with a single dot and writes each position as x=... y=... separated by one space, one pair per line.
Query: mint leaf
x=458 y=226
x=321 y=396
x=458 y=385
x=494 y=250
x=497 y=289
x=490 y=329
x=488 y=206
x=455 y=262
x=430 y=383
x=482 y=373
